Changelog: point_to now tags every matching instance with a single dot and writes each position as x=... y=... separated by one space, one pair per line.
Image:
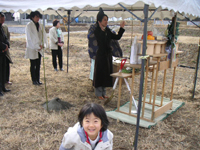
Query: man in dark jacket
x=4 y=45
x=7 y=53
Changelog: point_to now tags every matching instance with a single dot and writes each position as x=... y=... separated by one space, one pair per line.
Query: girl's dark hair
x=98 y=111
x=35 y=13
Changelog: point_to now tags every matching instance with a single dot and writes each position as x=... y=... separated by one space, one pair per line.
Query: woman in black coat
x=103 y=61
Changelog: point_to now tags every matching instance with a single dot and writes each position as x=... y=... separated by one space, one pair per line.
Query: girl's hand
x=122 y=24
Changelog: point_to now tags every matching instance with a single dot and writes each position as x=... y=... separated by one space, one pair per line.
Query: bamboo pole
x=45 y=85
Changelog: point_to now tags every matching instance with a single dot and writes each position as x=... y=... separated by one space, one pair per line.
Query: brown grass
x=24 y=124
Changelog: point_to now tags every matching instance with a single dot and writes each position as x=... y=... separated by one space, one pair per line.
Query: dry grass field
x=24 y=124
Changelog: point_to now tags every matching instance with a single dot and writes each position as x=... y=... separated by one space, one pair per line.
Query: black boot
x=39 y=83
x=35 y=83
x=1 y=94
x=6 y=90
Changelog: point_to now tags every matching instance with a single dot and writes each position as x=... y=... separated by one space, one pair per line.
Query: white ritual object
x=134 y=57
x=135 y=48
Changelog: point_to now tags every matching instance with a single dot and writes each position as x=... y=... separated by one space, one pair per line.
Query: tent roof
x=188 y=7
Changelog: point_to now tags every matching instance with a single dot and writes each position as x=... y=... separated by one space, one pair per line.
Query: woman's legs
x=7 y=71
x=103 y=91
x=60 y=58
x=54 y=54
x=32 y=69
x=100 y=91
x=37 y=69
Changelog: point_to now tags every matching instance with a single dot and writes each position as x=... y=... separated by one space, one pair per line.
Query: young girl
x=91 y=132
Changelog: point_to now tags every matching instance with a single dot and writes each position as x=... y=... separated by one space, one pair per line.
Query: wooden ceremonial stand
x=157 y=61
x=121 y=76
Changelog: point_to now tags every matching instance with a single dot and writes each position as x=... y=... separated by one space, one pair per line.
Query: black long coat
x=103 y=62
x=3 y=43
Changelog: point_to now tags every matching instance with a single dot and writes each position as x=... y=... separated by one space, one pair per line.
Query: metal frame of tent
x=142 y=20
x=145 y=20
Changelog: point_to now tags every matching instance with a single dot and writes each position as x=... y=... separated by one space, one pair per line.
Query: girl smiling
x=91 y=132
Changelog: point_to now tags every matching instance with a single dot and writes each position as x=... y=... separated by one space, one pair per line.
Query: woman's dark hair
x=35 y=13
x=55 y=22
x=97 y=110
x=100 y=15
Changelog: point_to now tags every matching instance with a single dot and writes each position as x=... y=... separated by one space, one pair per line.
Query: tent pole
x=196 y=73
x=43 y=17
x=146 y=8
x=68 y=12
x=190 y=20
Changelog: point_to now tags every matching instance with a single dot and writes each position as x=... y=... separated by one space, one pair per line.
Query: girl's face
x=92 y=125
x=104 y=21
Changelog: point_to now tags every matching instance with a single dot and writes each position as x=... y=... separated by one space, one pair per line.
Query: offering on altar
x=149 y=35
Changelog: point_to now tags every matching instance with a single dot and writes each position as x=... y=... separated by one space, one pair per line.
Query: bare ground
x=24 y=124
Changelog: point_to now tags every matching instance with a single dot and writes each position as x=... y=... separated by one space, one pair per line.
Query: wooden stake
x=152 y=84
x=155 y=90
x=173 y=83
x=132 y=86
x=163 y=87
x=119 y=95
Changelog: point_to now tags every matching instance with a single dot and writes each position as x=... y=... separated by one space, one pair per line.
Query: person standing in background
x=36 y=40
x=4 y=46
x=56 y=44
x=103 y=61
x=7 y=53
x=92 y=50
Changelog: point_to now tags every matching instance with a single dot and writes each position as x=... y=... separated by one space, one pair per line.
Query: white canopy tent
x=112 y=9
x=186 y=7
x=189 y=7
